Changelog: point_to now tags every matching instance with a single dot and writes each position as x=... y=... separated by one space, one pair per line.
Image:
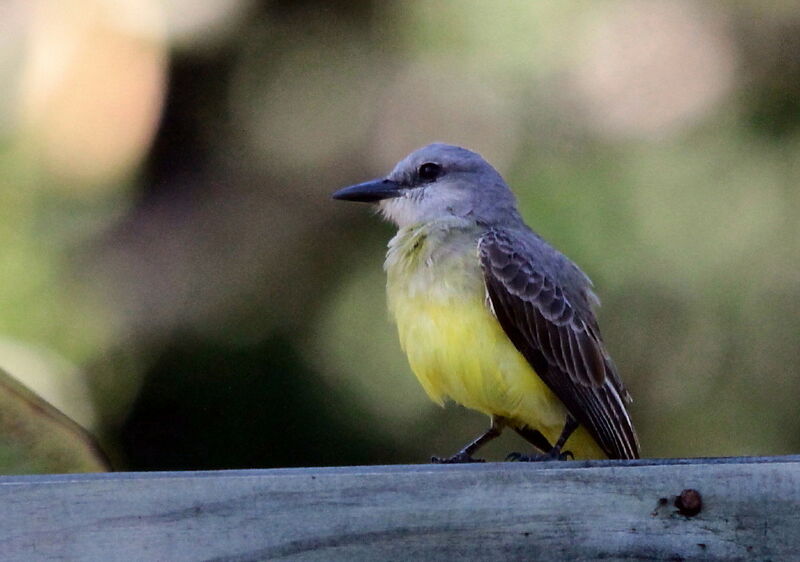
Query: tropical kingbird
x=490 y=315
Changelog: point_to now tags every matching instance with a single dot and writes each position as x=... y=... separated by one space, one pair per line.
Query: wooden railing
x=735 y=508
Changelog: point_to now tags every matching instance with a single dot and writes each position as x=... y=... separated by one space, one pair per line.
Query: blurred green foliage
x=174 y=277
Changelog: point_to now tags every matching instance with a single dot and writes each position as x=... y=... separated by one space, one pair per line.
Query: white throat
x=402 y=211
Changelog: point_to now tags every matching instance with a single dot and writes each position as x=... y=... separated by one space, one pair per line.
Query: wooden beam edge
x=390 y=469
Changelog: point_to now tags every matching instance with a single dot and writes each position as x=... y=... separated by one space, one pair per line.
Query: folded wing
x=542 y=302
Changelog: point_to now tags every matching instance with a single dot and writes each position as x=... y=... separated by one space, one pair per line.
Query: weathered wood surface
x=506 y=511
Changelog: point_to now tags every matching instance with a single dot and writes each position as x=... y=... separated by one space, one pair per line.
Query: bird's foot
x=554 y=454
x=458 y=458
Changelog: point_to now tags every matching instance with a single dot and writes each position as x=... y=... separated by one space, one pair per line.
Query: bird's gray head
x=436 y=182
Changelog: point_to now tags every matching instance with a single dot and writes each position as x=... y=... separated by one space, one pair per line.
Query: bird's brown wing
x=557 y=336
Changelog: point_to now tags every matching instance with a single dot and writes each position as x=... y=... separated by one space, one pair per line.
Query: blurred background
x=175 y=278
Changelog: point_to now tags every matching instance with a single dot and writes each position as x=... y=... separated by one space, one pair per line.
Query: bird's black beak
x=370 y=191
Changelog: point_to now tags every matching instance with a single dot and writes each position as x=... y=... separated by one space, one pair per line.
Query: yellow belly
x=458 y=350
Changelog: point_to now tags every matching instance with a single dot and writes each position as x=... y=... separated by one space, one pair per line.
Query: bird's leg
x=465 y=454
x=553 y=452
x=569 y=427
x=535 y=438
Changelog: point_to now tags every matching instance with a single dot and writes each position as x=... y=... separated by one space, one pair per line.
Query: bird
x=491 y=316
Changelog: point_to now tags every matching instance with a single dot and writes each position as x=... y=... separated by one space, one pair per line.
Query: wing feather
x=547 y=314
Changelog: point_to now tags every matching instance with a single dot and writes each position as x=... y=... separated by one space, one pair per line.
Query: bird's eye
x=429 y=171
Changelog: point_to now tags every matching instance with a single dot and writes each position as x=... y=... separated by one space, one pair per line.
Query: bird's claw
x=458 y=458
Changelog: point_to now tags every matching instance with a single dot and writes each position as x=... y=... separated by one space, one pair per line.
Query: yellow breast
x=454 y=344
